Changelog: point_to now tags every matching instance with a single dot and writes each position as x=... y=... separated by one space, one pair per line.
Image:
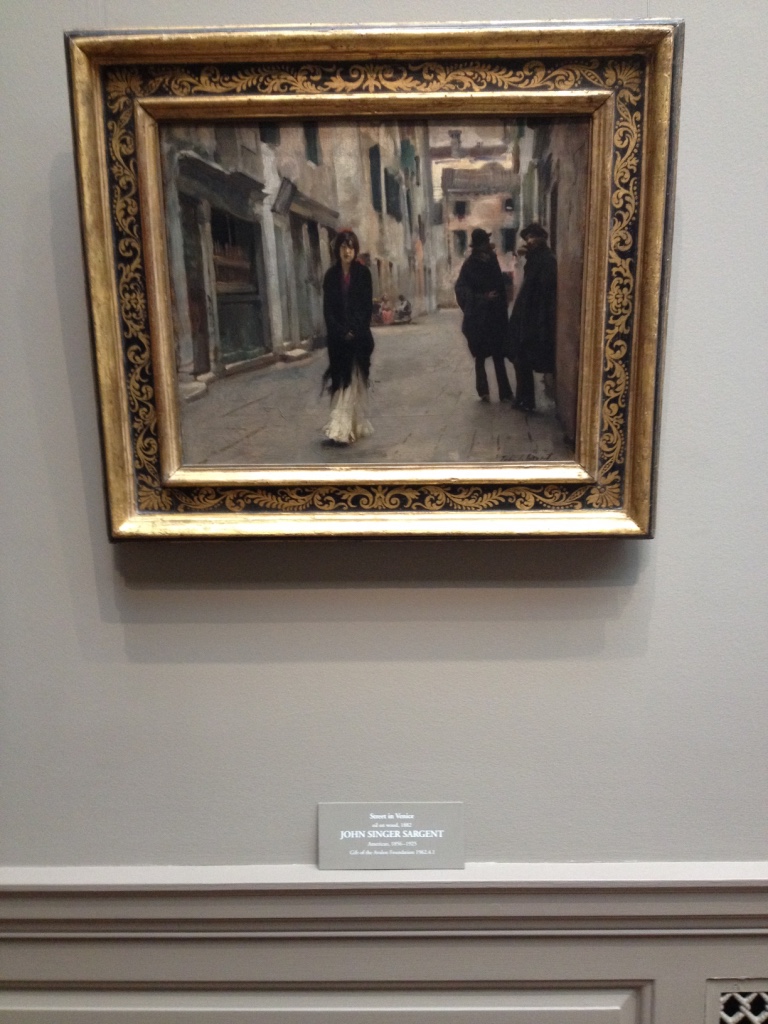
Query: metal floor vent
x=744 y=1008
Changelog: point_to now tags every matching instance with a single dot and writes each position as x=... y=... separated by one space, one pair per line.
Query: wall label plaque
x=415 y=836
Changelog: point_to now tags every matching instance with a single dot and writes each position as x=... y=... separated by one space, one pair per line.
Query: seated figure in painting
x=347 y=308
x=386 y=312
x=403 y=310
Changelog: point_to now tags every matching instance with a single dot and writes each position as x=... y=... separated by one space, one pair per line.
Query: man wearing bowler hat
x=482 y=298
x=533 y=323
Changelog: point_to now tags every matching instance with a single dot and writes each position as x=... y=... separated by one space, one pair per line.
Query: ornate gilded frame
x=624 y=76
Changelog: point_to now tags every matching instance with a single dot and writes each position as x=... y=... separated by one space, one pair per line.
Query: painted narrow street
x=423 y=407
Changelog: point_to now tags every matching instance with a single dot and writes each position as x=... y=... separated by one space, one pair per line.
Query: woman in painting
x=347 y=307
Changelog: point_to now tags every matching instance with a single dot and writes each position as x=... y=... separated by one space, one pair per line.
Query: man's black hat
x=534 y=230
x=479 y=238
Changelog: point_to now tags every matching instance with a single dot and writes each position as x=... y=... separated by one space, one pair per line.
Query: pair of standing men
x=527 y=338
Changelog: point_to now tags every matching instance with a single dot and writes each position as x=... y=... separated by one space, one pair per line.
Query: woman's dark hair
x=345 y=237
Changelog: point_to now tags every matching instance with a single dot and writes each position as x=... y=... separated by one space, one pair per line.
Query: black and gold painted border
x=123 y=85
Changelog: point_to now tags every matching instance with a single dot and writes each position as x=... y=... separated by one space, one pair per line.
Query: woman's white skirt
x=349 y=412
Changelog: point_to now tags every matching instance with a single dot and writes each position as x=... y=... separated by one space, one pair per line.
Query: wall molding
x=504 y=900
x=616 y=943
x=476 y=876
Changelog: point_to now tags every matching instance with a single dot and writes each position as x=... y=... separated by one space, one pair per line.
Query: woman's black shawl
x=345 y=314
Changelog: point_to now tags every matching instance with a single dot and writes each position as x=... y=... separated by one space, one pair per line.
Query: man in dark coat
x=533 y=324
x=481 y=296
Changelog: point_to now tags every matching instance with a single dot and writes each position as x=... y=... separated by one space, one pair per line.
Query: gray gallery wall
x=190 y=704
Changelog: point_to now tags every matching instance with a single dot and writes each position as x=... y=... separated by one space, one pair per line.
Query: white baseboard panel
x=287 y=944
x=502 y=1007
x=663 y=874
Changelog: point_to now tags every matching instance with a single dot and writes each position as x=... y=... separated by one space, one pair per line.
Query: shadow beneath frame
x=354 y=562
x=379 y=601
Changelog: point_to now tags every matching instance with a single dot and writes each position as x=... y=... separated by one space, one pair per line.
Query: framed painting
x=404 y=281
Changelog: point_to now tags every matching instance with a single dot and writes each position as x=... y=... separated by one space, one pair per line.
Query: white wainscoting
x=496 y=944
x=553 y=1007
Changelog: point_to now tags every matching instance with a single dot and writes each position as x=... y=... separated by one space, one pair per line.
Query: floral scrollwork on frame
x=624 y=77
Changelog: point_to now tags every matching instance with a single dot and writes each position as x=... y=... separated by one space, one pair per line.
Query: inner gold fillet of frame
x=151 y=112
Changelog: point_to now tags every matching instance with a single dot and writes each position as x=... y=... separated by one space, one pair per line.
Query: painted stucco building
x=252 y=211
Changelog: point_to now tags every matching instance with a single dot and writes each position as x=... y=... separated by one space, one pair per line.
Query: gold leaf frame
x=624 y=76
